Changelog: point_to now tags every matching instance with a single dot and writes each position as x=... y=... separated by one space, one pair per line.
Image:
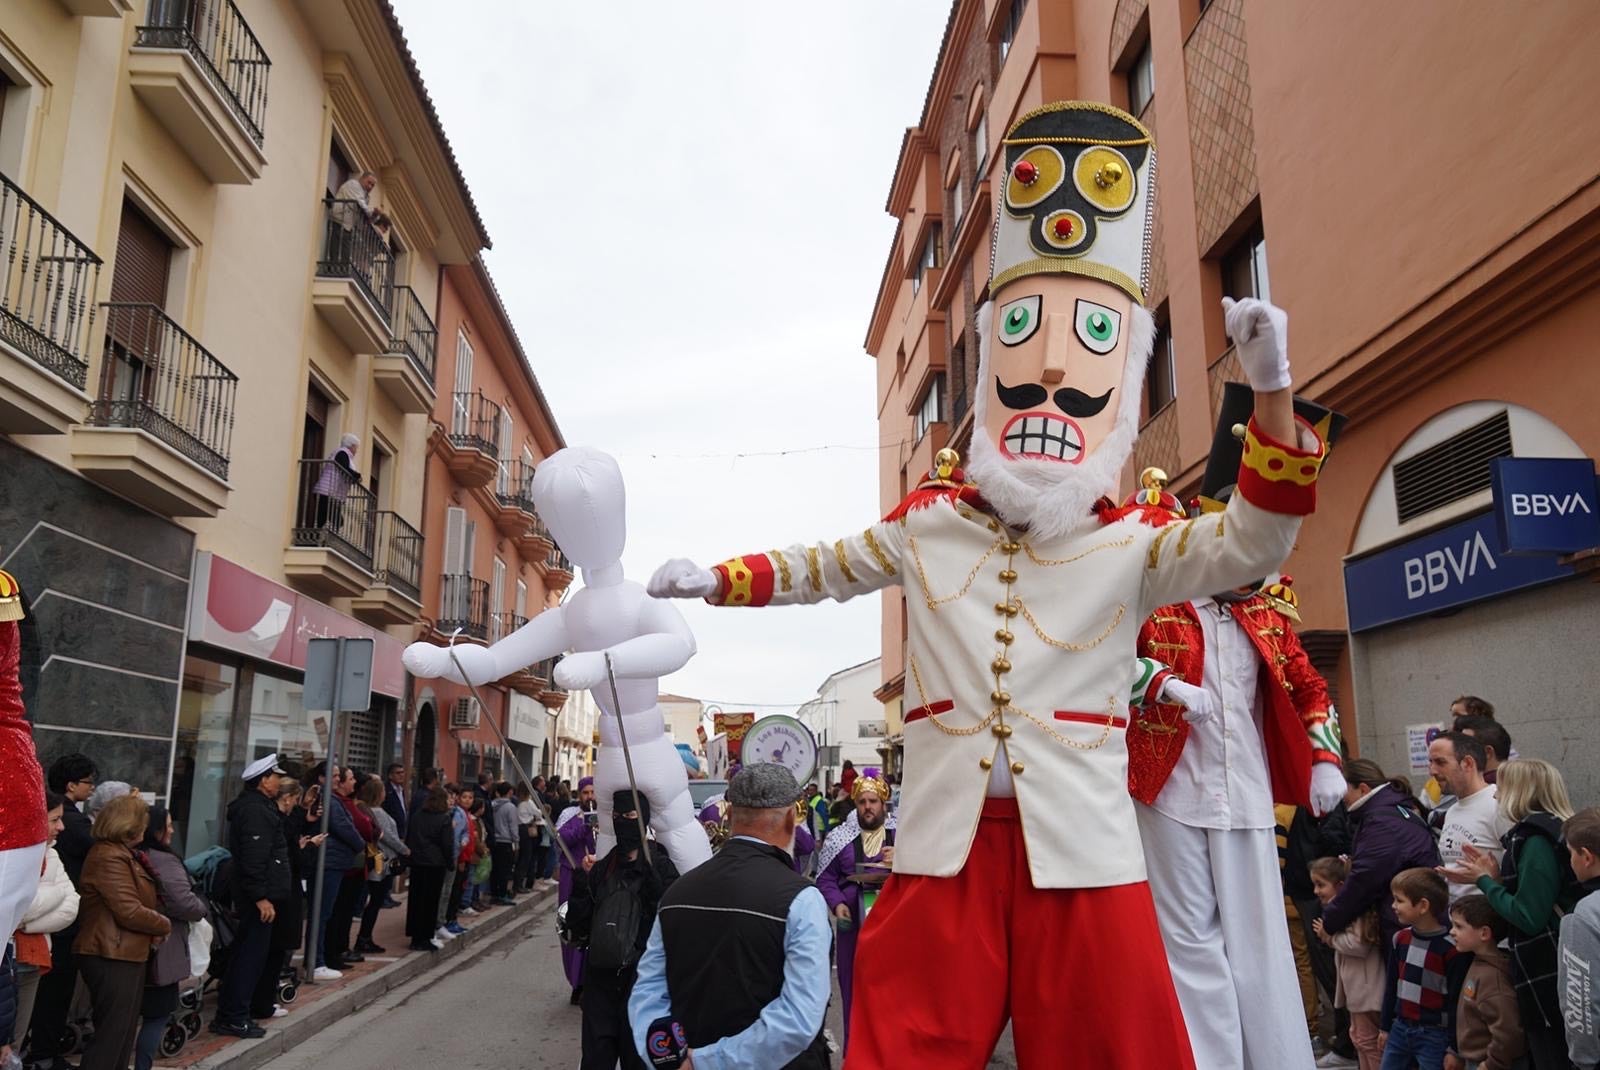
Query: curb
x=297 y=1029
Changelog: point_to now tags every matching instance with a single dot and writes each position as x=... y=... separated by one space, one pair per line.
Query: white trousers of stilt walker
x=1219 y=898
x=19 y=880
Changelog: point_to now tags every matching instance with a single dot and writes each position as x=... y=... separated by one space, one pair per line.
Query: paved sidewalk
x=318 y=1007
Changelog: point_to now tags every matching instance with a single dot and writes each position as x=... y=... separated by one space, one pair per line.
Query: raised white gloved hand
x=1199 y=705
x=680 y=578
x=1327 y=787
x=580 y=672
x=428 y=661
x=1260 y=334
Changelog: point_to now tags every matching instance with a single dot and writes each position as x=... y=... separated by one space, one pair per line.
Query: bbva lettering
x=1434 y=570
x=1549 y=504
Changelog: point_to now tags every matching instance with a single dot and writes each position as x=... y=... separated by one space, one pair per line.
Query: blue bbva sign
x=1451 y=567
x=1545 y=505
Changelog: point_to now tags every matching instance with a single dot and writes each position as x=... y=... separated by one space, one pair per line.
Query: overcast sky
x=687 y=206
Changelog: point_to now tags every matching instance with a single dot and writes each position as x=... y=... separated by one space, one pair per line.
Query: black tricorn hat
x=1227 y=442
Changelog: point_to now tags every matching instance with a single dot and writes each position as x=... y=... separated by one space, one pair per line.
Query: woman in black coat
x=432 y=840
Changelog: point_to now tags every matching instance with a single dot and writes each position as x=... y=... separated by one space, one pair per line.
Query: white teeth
x=1044 y=436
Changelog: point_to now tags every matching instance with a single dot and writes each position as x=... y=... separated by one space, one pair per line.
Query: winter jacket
x=170 y=963
x=74 y=841
x=432 y=839
x=389 y=841
x=1389 y=836
x=1360 y=966
x=1535 y=888
x=365 y=827
x=55 y=904
x=289 y=924
x=505 y=823
x=1580 y=963
x=260 y=851
x=1488 y=1024
x=117 y=917
x=345 y=845
x=394 y=804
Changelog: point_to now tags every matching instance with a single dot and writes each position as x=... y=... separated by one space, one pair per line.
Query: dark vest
x=722 y=928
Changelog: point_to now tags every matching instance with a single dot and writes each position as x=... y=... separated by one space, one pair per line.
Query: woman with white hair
x=333 y=484
x=104 y=792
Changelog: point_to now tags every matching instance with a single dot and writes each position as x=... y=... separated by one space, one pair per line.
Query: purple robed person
x=714 y=816
x=845 y=848
x=578 y=835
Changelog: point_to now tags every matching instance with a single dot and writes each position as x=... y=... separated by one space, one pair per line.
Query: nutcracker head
x=1064 y=336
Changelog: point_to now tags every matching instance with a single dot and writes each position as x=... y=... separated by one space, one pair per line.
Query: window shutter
x=497 y=595
x=505 y=450
x=469 y=552
x=463 y=363
x=455 y=539
x=144 y=256
x=520 y=609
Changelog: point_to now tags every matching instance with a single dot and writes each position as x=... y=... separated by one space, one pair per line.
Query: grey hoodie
x=1580 y=963
x=505 y=822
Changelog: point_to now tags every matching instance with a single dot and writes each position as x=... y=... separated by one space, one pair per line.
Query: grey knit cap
x=764 y=786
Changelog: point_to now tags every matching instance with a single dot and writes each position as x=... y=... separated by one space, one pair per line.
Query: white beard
x=1048 y=497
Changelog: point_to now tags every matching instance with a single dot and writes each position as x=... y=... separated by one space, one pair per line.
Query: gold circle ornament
x=1104 y=176
x=1050 y=170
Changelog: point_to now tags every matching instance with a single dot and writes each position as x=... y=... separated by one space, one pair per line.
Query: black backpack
x=619 y=917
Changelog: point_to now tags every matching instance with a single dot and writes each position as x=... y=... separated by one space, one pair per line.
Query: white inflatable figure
x=579 y=494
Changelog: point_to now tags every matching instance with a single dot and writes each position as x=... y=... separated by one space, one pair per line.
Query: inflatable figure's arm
x=543 y=637
x=664 y=646
x=800 y=574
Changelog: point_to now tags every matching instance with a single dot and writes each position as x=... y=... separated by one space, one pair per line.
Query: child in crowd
x=1488 y=1021
x=1359 y=964
x=1423 y=969
x=1580 y=943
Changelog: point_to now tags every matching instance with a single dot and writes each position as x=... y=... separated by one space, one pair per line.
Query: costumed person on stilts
x=865 y=840
x=1017 y=867
x=1205 y=787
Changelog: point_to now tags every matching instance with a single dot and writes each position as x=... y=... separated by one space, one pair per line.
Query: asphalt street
x=506 y=1009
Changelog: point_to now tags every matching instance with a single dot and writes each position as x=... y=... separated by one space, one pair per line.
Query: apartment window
x=503 y=484
x=1244 y=267
x=463 y=385
x=980 y=147
x=1161 y=377
x=932 y=256
x=521 y=606
x=931 y=409
x=378 y=479
x=497 y=598
x=1141 y=81
x=1008 y=32
x=958 y=206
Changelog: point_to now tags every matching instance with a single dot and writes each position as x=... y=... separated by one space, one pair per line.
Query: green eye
x=1099 y=326
x=1017 y=322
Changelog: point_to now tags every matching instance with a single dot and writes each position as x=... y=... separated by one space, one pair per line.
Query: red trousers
x=942 y=962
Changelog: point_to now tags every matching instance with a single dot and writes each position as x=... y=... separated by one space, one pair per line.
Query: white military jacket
x=1019 y=652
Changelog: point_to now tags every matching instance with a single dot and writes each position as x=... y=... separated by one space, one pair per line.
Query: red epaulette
x=1110 y=512
x=938 y=490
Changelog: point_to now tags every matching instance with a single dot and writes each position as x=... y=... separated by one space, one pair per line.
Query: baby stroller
x=210 y=872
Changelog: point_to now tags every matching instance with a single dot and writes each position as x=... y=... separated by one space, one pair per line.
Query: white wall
x=843 y=708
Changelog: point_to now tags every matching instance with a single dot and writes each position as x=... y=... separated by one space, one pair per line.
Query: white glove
x=1327 y=787
x=427 y=661
x=680 y=578
x=1199 y=705
x=1260 y=334
x=580 y=672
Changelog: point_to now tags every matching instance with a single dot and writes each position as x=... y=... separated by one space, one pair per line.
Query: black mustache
x=1069 y=400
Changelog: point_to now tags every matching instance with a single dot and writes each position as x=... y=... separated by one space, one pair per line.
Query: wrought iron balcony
x=463 y=604
x=398 y=556
x=155 y=377
x=503 y=624
x=47 y=286
x=412 y=332
x=515 y=488
x=222 y=43
x=475 y=423
x=353 y=249
x=335 y=512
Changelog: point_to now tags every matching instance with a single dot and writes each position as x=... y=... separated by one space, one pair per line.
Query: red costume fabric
x=1081 y=972
x=22 y=818
x=1293 y=694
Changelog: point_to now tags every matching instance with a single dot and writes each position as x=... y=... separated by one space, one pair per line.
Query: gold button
x=993 y=526
x=1002 y=730
x=1010 y=547
x=1000 y=665
x=1004 y=636
x=1008 y=576
x=1005 y=608
x=1016 y=768
x=1000 y=698
x=985 y=763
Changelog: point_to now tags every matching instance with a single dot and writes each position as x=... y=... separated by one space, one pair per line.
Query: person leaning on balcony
x=352 y=198
x=334 y=481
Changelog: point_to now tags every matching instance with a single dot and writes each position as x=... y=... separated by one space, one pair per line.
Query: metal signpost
x=338 y=680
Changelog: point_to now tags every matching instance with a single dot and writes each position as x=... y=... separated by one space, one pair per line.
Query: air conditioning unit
x=464 y=714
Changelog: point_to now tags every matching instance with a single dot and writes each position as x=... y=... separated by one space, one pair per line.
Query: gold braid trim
x=1047 y=562
x=877 y=551
x=784 y=579
x=814 y=568
x=1220 y=520
x=927 y=593
x=1105 y=733
x=916 y=676
x=1063 y=645
x=844 y=566
x=1155 y=548
x=1183 y=540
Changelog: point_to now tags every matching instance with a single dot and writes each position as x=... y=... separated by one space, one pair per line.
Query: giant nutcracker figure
x=22 y=815
x=1019 y=886
x=1205 y=788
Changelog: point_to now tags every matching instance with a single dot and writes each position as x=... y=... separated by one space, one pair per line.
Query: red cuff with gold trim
x=1152 y=694
x=1279 y=478
x=743 y=581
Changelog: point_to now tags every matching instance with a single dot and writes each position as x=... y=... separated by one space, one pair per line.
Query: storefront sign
x=525 y=720
x=734 y=726
x=235 y=609
x=1545 y=505
x=1454 y=566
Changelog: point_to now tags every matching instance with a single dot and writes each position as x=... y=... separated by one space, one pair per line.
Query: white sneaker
x=437 y=943
x=278 y=1011
x=323 y=973
x=1334 y=1061
x=444 y=935
x=468 y=911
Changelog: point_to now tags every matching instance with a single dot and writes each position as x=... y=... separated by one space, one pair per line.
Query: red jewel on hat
x=1063 y=227
x=1025 y=172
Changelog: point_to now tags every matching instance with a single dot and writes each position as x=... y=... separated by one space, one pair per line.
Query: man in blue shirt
x=735 y=974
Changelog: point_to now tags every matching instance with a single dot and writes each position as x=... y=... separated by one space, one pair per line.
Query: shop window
x=1008 y=30
x=1161 y=377
x=279 y=723
x=1244 y=267
x=1141 y=81
x=932 y=256
x=201 y=787
x=931 y=410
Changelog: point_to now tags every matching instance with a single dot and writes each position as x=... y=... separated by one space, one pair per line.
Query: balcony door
x=134 y=324
x=460 y=535
x=497 y=597
x=463 y=386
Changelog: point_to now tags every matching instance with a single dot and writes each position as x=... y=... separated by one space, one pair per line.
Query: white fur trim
x=1049 y=497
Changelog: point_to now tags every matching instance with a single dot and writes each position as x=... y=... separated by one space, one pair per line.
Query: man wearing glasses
x=71 y=775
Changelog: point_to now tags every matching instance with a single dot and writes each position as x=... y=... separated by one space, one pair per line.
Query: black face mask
x=627 y=828
x=627 y=831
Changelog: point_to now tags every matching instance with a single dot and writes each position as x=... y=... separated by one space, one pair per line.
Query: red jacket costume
x=1294 y=698
x=22 y=817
